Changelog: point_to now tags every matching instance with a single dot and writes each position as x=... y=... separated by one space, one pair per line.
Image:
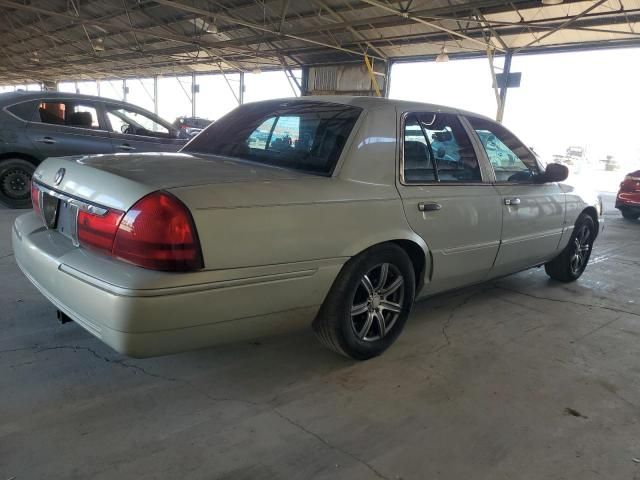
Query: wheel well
x=593 y=213
x=22 y=156
x=416 y=255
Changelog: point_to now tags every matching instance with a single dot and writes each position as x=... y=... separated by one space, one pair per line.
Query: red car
x=628 y=199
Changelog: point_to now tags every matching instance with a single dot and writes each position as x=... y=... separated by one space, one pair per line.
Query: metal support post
x=503 y=88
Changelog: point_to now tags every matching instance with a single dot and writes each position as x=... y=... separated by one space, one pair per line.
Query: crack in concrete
x=452 y=313
x=6 y=256
x=122 y=363
x=11 y=350
x=594 y=330
x=558 y=300
x=330 y=445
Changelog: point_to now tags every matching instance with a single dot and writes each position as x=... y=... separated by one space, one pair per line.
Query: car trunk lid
x=119 y=180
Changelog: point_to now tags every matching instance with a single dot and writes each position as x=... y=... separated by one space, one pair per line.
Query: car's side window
x=122 y=120
x=24 y=110
x=510 y=159
x=70 y=114
x=436 y=148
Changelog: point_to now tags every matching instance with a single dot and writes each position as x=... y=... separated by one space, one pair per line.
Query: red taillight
x=98 y=231
x=35 y=198
x=158 y=233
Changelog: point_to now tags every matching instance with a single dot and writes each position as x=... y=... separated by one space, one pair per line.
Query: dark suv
x=37 y=125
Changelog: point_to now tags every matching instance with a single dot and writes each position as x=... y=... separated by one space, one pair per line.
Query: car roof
x=21 y=95
x=374 y=103
x=10 y=98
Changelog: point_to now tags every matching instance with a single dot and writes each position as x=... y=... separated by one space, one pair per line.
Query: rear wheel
x=629 y=215
x=15 y=182
x=368 y=304
x=570 y=264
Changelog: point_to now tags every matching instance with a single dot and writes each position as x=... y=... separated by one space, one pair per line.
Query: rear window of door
x=436 y=148
x=512 y=162
x=69 y=114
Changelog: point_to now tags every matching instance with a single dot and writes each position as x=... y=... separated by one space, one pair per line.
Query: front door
x=68 y=127
x=446 y=200
x=533 y=213
x=137 y=131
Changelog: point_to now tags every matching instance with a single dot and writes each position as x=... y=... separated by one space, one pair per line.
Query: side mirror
x=554 y=172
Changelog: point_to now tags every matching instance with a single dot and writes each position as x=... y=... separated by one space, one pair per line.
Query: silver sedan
x=333 y=212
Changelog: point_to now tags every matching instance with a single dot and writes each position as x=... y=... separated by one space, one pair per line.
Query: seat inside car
x=79 y=119
x=418 y=165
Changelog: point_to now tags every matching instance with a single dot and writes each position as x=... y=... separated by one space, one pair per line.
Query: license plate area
x=49 y=207
x=67 y=223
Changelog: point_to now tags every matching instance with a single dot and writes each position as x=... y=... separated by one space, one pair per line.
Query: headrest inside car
x=79 y=119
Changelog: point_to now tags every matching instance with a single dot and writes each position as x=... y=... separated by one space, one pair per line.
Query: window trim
x=486 y=155
x=95 y=104
x=403 y=118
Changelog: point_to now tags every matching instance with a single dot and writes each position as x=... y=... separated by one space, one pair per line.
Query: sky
x=587 y=99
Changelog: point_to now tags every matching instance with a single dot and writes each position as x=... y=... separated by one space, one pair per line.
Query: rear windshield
x=303 y=135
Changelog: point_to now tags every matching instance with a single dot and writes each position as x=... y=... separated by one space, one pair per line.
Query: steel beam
x=504 y=88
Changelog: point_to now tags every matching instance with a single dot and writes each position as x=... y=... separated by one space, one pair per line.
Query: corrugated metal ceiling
x=49 y=40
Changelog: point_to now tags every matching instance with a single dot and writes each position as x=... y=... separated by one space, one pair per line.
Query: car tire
x=368 y=303
x=629 y=215
x=15 y=182
x=571 y=263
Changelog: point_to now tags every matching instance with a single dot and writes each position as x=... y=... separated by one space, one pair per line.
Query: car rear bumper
x=144 y=320
x=628 y=201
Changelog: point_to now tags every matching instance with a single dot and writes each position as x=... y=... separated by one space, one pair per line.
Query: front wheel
x=15 y=182
x=571 y=263
x=368 y=304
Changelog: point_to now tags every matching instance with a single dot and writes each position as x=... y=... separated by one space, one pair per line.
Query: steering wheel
x=130 y=130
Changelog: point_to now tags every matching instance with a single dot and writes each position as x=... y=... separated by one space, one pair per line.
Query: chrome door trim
x=486 y=168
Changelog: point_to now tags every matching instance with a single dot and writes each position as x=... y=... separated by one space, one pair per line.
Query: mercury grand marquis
x=333 y=212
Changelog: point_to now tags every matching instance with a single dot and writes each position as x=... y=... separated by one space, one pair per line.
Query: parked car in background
x=338 y=219
x=628 y=198
x=191 y=125
x=37 y=125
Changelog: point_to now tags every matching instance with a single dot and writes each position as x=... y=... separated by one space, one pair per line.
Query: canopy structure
x=54 y=40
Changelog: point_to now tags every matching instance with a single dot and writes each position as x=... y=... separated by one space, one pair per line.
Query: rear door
x=133 y=130
x=63 y=127
x=447 y=199
x=533 y=214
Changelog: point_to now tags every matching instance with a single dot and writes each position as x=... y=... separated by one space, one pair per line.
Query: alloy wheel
x=581 y=249
x=377 y=302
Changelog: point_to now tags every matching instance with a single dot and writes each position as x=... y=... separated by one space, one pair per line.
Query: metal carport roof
x=52 y=40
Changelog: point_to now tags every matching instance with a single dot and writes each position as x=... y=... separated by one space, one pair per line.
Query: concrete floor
x=523 y=378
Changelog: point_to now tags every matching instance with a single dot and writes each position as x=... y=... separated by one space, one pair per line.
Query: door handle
x=512 y=201
x=429 y=206
x=126 y=146
x=47 y=140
